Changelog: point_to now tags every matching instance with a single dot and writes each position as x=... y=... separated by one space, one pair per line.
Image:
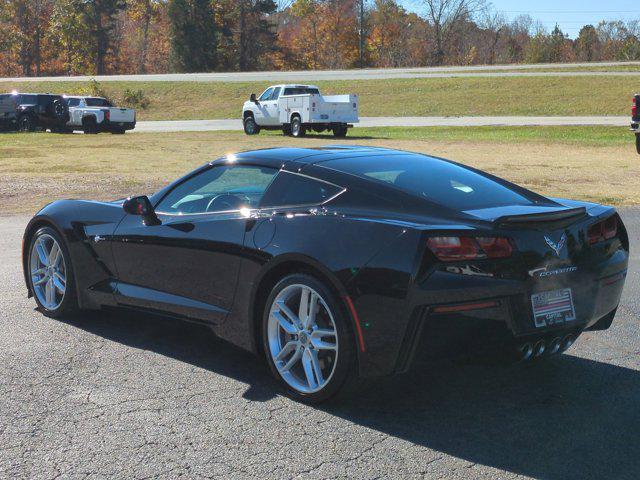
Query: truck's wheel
x=340 y=131
x=250 y=126
x=26 y=123
x=638 y=143
x=286 y=129
x=89 y=125
x=118 y=131
x=297 y=129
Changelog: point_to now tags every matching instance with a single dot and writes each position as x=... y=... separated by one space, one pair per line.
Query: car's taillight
x=453 y=249
x=601 y=231
x=634 y=108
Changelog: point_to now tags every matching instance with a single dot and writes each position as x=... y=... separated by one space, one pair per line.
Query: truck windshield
x=301 y=91
x=97 y=102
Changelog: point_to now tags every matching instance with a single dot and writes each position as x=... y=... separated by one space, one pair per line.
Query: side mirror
x=141 y=206
x=252 y=98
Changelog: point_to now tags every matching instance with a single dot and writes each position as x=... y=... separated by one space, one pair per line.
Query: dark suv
x=30 y=111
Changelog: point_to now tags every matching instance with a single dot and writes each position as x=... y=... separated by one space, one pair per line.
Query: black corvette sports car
x=339 y=262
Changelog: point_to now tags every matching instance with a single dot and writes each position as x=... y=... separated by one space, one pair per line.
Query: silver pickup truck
x=96 y=114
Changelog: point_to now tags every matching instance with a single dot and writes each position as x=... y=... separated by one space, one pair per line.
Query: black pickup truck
x=30 y=111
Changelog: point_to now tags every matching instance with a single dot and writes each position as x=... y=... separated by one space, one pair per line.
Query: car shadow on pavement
x=564 y=418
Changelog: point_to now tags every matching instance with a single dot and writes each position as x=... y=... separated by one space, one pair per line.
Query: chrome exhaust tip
x=554 y=346
x=539 y=348
x=567 y=341
x=526 y=351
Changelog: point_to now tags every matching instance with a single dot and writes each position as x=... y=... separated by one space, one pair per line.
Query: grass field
x=597 y=164
x=608 y=95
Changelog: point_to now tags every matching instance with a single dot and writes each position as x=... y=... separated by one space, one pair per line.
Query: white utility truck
x=298 y=108
x=96 y=114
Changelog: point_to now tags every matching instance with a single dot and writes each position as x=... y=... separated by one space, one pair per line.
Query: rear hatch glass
x=436 y=180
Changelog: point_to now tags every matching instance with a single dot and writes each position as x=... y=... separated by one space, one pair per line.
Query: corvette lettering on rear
x=543 y=272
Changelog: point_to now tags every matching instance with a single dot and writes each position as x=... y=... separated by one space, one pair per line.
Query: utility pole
x=361 y=25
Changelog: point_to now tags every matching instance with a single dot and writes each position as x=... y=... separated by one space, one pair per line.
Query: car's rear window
x=96 y=102
x=433 y=179
x=300 y=91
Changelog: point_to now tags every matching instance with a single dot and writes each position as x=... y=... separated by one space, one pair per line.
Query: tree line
x=95 y=37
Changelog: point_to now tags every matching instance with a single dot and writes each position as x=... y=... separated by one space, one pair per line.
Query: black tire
x=59 y=110
x=638 y=143
x=286 y=129
x=69 y=303
x=118 y=131
x=250 y=126
x=89 y=125
x=26 y=123
x=343 y=375
x=297 y=128
x=340 y=131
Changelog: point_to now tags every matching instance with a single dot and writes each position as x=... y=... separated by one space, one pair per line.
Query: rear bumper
x=485 y=310
x=114 y=126
x=447 y=310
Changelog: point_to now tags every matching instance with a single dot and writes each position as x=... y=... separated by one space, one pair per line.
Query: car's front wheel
x=51 y=274
x=638 y=143
x=250 y=126
x=307 y=340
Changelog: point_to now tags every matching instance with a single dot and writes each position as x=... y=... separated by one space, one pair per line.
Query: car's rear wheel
x=340 y=131
x=51 y=274
x=89 y=125
x=306 y=339
x=297 y=129
x=637 y=143
x=26 y=123
x=250 y=126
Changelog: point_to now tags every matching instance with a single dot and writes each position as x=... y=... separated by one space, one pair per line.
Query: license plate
x=552 y=308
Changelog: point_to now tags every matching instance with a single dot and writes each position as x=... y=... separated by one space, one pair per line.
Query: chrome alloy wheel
x=48 y=271
x=302 y=345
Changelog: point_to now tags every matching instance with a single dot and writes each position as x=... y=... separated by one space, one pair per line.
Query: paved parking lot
x=132 y=396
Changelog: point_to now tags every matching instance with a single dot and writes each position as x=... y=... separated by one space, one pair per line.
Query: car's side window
x=219 y=189
x=266 y=95
x=275 y=94
x=73 y=102
x=291 y=189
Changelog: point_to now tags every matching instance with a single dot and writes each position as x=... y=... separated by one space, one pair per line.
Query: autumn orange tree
x=71 y=37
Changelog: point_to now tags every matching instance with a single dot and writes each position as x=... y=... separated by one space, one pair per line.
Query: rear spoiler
x=531 y=219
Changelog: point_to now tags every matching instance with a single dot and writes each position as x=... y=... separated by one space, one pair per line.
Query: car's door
x=188 y=264
x=75 y=112
x=261 y=113
x=270 y=108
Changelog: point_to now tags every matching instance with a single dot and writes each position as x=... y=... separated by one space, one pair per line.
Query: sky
x=570 y=15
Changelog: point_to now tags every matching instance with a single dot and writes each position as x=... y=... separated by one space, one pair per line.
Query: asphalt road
x=356 y=74
x=236 y=123
x=118 y=395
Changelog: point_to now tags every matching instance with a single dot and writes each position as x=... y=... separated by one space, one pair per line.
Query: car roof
x=293 y=85
x=312 y=155
x=83 y=96
x=28 y=93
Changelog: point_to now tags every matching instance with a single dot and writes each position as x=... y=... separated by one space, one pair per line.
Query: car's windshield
x=436 y=180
